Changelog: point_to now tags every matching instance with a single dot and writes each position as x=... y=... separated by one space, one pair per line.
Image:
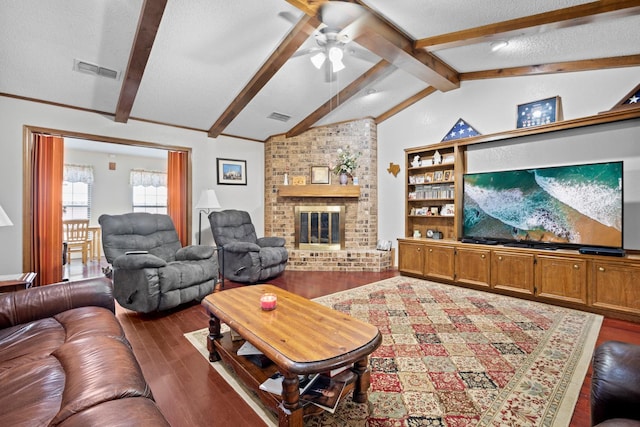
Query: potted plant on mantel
x=347 y=164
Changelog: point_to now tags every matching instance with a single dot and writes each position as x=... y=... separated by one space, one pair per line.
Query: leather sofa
x=615 y=385
x=65 y=361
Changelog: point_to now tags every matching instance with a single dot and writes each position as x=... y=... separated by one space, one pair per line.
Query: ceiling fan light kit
x=318 y=59
x=335 y=56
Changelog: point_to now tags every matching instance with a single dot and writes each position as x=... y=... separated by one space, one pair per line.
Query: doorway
x=118 y=145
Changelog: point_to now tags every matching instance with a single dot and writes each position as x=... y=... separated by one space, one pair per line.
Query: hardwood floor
x=190 y=393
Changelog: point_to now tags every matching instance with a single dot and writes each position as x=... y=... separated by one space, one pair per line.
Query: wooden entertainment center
x=431 y=247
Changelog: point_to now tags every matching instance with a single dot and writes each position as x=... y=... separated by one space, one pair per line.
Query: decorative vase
x=343 y=179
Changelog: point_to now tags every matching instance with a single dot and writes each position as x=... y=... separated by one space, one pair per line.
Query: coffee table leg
x=214 y=332
x=361 y=368
x=291 y=413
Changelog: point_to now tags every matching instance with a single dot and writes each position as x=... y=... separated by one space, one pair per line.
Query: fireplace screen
x=319 y=227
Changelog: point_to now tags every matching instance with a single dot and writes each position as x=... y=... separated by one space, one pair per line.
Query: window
x=76 y=192
x=149 y=191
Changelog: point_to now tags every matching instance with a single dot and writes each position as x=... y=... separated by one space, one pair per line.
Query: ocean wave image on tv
x=575 y=205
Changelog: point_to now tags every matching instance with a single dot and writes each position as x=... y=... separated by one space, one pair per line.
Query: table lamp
x=208 y=201
x=4 y=218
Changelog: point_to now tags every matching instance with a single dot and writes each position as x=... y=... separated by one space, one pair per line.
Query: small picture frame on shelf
x=438 y=176
x=433 y=210
x=421 y=211
x=412 y=179
x=448 y=175
x=320 y=174
x=428 y=177
x=448 y=210
x=299 y=180
x=449 y=158
x=426 y=161
x=419 y=179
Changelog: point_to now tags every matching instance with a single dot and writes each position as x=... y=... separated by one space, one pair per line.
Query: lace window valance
x=78 y=173
x=148 y=178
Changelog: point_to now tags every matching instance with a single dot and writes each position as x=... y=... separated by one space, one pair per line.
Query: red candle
x=268 y=301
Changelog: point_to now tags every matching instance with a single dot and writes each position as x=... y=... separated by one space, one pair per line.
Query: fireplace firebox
x=319 y=227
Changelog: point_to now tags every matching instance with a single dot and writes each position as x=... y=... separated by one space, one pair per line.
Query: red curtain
x=177 y=192
x=46 y=234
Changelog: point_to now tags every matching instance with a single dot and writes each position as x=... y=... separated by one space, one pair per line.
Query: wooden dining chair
x=76 y=235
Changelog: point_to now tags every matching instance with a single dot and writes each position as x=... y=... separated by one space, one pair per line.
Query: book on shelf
x=273 y=384
x=254 y=355
x=324 y=392
x=337 y=371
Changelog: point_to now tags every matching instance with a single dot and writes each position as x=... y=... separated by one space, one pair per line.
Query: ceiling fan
x=339 y=27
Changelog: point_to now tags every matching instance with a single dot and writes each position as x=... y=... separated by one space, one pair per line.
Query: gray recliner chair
x=246 y=258
x=151 y=269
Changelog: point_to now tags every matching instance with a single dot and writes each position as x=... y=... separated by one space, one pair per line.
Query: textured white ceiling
x=206 y=52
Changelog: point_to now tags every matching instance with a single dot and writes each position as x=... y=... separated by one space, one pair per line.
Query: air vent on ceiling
x=86 y=67
x=279 y=116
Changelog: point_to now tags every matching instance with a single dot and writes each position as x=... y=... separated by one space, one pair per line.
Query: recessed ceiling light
x=497 y=45
x=370 y=91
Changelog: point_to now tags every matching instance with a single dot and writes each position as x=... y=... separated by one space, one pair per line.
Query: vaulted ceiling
x=223 y=67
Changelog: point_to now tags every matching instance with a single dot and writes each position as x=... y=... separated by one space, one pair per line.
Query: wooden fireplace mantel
x=319 y=190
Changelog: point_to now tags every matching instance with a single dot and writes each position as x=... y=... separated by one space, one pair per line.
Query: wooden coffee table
x=300 y=337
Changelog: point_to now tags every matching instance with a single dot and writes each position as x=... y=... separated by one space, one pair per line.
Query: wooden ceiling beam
x=379 y=71
x=383 y=39
x=558 y=67
x=292 y=42
x=148 y=24
x=561 y=18
x=405 y=104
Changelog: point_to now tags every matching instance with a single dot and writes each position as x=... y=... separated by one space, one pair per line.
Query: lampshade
x=318 y=59
x=4 y=218
x=208 y=200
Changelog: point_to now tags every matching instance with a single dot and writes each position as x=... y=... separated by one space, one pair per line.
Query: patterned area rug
x=454 y=357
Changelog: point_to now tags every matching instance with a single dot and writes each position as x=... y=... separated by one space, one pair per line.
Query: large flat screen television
x=563 y=206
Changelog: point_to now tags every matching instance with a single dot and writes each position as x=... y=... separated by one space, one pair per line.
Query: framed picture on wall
x=232 y=172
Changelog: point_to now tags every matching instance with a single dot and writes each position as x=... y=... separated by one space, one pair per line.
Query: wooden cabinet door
x=411 y=258
x=562 y=279
x=473 y=266
x=512 y=271
x=439 y=262
x=615 y=287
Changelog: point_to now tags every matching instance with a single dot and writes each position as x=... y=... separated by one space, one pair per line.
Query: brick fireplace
x=318 y=147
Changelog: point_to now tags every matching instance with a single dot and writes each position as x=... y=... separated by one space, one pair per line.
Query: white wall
x=14 y=114
x=490 y=106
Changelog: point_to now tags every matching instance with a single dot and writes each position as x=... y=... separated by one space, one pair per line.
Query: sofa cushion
x=24 y=343
x=97 y=369
x=31 y=393
x=110 y=414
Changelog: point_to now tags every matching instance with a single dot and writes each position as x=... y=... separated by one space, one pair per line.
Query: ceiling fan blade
x=354 y=29
x=307 y=51
x=362 y=54
x=289 y=17
x=338 y=14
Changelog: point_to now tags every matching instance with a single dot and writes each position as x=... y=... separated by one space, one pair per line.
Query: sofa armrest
x=138 y=261
x=241 y=247
x=194 y=253
x=615 y=382
x=270 y=242
x=46 y=301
